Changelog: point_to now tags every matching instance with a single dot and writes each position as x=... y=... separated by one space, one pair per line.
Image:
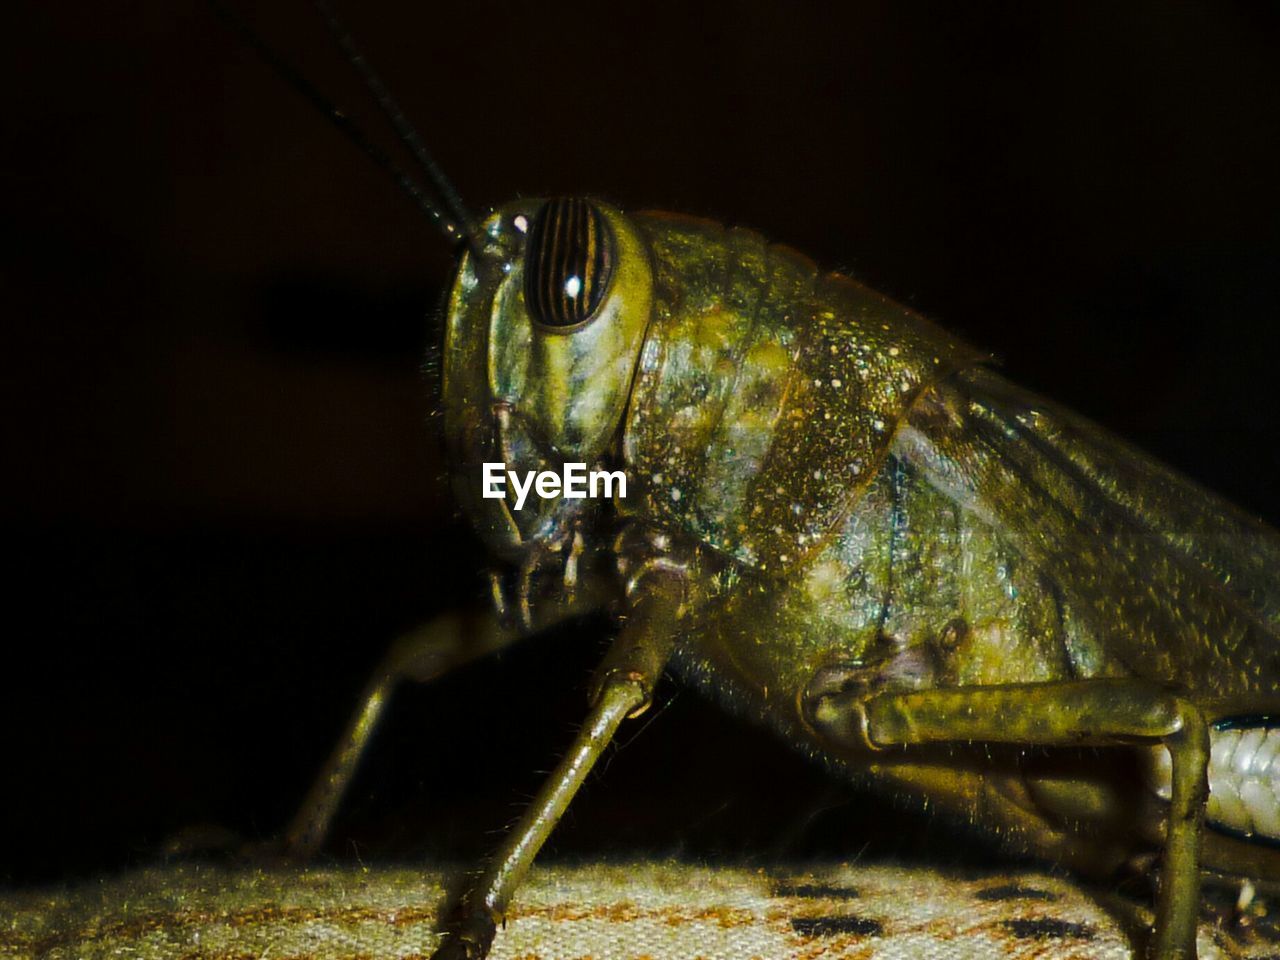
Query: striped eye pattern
x=567 y=262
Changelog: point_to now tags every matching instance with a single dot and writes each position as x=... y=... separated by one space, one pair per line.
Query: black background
x=221 y=486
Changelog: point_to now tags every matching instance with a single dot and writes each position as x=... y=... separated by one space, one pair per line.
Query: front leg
x=427 y=653
x=623 y=688
x=1109 y=712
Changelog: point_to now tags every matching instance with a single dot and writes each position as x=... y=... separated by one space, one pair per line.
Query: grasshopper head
x=543 y=335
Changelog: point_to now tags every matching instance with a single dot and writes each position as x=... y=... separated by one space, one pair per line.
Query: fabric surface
x=604 y=912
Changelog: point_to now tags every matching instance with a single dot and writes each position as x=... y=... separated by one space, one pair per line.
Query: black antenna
x=391 y=110
x=454 y=228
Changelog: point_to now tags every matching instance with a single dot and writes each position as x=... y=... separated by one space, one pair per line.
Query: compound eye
x=568 y=262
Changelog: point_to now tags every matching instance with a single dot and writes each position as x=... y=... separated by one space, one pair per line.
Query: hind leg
x=1076 y=713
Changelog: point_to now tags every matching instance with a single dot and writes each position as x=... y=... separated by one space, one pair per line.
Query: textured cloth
x=614 y=912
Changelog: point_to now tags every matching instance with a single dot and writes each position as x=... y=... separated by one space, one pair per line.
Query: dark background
x=221 y=492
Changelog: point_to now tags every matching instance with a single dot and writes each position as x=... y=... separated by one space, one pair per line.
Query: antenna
x=456 y=224
x=391 y=110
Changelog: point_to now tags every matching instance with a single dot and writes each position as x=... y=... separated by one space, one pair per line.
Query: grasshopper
x=843 y=524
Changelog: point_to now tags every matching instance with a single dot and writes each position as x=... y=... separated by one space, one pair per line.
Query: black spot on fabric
x=832 y=926
x=1046 y=928
x=1013 y=891
x=815 y=891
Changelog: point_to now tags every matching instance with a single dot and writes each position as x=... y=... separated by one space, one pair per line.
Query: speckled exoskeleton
x=843 y=524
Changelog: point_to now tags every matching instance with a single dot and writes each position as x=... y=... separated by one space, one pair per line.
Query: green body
x=870 y=504
x=854 y=499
